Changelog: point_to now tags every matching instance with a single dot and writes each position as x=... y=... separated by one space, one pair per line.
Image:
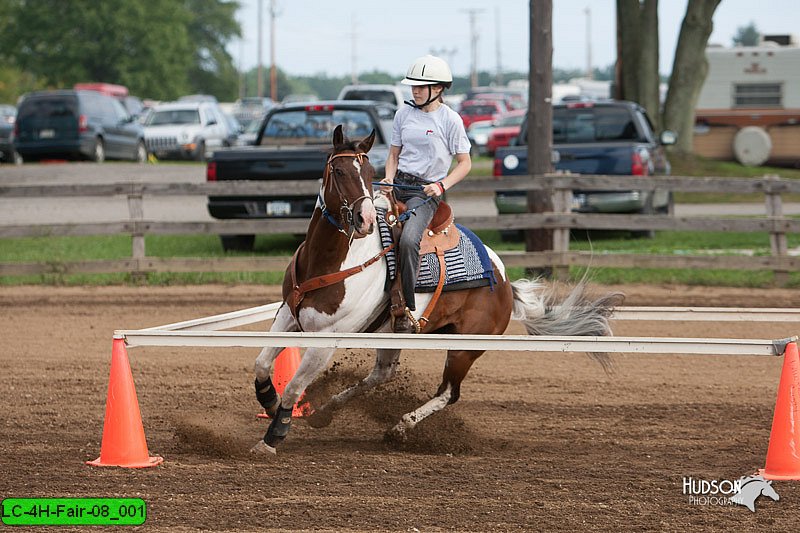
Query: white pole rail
x=643 y=345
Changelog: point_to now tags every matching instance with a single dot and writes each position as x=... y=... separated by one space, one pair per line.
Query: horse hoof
x=397 y=434
x=320 y=419
x=262 y=448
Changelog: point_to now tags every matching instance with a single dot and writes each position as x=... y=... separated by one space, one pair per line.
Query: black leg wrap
x=279 y=428
x=266 y=394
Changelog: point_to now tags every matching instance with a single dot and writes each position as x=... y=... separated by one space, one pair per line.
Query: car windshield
x=311 y=126
x=173 y=116
x=592 y=124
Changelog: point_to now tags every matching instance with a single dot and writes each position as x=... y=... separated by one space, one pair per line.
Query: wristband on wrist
x=441 y=186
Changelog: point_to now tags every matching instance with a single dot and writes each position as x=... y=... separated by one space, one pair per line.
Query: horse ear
x=366 y=144
x=338 y=136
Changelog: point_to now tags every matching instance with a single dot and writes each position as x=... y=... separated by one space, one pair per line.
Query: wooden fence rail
x=559 y=185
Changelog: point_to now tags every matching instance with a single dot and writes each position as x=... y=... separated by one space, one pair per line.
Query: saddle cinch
x=442 y=235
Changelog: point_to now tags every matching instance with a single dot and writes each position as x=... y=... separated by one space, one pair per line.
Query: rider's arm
x=459 y=172
x=391 y=165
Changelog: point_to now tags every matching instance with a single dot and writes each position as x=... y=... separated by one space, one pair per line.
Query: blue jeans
x=413 y=230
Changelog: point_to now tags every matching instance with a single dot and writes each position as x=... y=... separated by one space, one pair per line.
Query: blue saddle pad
x=467 y=264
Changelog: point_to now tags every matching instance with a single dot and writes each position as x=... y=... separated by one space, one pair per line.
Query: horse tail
x=544 y=312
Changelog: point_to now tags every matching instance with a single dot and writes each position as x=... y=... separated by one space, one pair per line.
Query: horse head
x=751 y=487
x=347 y=184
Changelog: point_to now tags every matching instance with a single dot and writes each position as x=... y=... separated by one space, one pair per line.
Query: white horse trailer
x=749 y=106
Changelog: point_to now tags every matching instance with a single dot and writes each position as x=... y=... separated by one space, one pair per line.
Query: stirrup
x=411 y=320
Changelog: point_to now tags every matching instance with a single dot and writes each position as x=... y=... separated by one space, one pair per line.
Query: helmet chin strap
x=413 y=104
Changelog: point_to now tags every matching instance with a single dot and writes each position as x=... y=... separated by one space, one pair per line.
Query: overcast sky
x=314 y=36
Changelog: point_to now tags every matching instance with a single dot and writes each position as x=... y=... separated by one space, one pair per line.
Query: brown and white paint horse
x=342 y=238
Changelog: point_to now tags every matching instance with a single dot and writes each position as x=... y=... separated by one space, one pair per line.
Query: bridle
x=346 y=211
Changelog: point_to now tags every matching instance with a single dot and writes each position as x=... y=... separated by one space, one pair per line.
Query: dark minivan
x=76 y=125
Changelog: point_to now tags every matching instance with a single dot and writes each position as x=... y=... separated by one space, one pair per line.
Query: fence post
x=136 y=212
x=777 y=238
x=562 y=204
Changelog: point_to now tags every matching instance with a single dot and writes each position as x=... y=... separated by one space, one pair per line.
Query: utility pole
x=242 y=91
x=260 y=76
x=589 y=69
x=540 y=120
x=273 y=71
x=353 y=55
x=473 y=32
x=498 y=78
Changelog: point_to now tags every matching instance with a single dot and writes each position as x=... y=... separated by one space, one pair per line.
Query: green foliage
x=157 y=48
x=747 y=35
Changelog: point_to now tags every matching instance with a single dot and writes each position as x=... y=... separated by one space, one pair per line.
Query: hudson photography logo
x=743 y=491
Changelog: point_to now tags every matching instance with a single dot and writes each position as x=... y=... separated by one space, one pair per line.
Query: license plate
x=47 y=134
x=278 y=209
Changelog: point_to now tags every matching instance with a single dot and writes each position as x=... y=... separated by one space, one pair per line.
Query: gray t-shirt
x=428 y=140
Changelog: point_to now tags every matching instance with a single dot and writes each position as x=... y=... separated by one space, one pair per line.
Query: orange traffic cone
x=284 y=370
x=123 y=434
x=783 y=454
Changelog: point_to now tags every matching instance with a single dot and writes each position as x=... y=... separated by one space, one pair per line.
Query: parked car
x=475 y=110
x=596 y=138
x=77 y=124
x=505 y=128
x=248 y=136
x=186 y=130
x=235 y=130
x=8 y=116
x=392 y=94
x=252 y=109
x=478 y=135
x=292 y=143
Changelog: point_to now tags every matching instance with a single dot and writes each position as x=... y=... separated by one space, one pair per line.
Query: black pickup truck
x=292 y=144
x=603 y=137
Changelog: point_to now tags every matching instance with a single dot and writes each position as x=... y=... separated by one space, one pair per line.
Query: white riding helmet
x=428 y=70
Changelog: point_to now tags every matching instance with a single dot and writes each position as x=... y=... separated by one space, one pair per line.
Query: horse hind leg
x=386 y=363
x=456 y=367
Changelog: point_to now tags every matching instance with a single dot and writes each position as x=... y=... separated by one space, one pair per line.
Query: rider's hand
x=433 y=189
x=386 y=189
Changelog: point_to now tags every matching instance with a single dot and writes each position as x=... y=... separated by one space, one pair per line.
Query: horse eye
x=338 y=172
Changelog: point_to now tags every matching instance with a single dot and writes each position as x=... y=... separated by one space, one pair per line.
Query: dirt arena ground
x=538 y=442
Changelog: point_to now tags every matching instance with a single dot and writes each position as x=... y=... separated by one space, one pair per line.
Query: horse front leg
x=386 y=363
x=456 y=366
x=266 y=394
x=314 y=361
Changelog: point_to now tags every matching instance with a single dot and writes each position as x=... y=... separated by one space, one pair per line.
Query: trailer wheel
x=752 y=146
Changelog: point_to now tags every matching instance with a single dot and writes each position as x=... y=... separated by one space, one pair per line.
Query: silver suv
x=186 y=130
x=393 y=94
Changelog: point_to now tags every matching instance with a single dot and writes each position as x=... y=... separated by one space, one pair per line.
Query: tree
x=689 y=71
x=211 y=24
x=637 y=54
x=637 y=76
x=747 y=35
x=157 y=48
